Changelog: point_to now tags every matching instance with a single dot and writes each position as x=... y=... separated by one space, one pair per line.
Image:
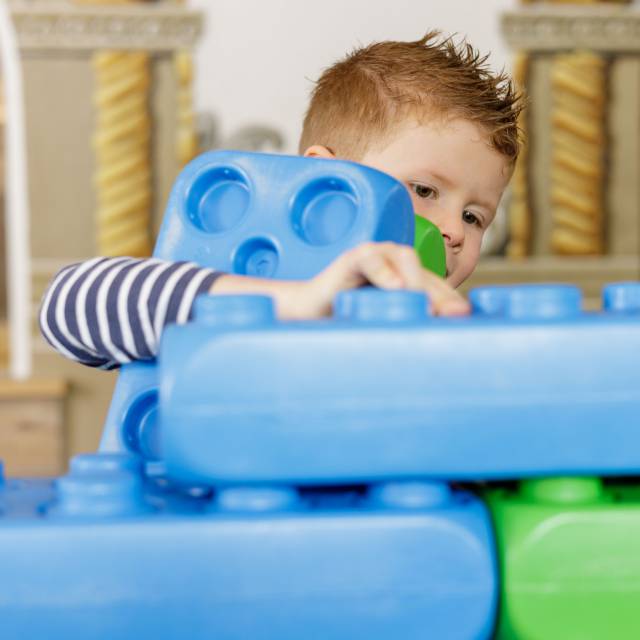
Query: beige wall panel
x=164 y=115
x=623 y=195
x=32 y=426
x=59 y=116
x=89 y=396
x=540 y=151
x=3 y=259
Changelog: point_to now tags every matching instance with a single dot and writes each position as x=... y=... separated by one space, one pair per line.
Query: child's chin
x=454 y=279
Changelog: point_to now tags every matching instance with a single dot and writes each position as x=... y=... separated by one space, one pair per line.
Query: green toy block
x=429 y=245
x=569 y=550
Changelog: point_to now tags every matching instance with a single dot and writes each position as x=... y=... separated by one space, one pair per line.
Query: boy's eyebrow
x=441 y=178
x=448 y=183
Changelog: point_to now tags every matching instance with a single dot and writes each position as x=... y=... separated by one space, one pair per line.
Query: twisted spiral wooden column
x=123 y=176
x=186 y=142
x=578 y=140
x=519 y=208
x=121 y=142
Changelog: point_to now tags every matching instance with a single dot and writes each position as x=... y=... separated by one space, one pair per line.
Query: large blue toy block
x=279 y=216
x=269 y=216
x=527 y=385
x=132 y=420
x=104 y=553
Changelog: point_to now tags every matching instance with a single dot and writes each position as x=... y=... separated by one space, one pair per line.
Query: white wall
x=257 y=59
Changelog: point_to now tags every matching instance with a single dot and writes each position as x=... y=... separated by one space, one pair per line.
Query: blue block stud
x=257 y=500
x=234 y=312
x=411 y=495
x=101 y=486
x=622 y=296
x=527 y=302
x=374 y=305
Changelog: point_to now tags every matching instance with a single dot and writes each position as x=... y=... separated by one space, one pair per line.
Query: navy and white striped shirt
x=105 y=312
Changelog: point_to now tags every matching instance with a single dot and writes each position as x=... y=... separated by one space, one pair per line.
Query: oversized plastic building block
x=528 y=385
x=279 y=216
x=132 y=420
x=570 y=559
x=106 y=553
x=273 y=216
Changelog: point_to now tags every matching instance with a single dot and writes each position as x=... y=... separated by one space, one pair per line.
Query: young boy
x=428 y=112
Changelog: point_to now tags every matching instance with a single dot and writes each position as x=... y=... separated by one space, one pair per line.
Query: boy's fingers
x=378 y=270
x=445 y=300
x=392 y=266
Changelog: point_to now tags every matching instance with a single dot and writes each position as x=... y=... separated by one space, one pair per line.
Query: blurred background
x=118 y=95
x=257 y=60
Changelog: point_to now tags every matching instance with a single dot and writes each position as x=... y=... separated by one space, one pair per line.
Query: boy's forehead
x=446 y=148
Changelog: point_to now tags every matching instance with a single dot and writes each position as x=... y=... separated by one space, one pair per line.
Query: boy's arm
x=109 y=311
x=105 y=312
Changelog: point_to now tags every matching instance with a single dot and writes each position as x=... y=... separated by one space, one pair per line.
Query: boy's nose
x=452 y=230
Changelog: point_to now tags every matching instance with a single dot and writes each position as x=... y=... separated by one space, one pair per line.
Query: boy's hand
x=385 y=264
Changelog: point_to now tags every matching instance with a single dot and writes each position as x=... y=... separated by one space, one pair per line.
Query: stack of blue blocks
x=294 y=480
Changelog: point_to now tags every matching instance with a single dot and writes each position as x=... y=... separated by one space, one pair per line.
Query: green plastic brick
x=569 y=550
x=429 y=245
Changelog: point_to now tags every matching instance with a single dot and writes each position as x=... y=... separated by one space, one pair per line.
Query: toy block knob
x=621 y=296
x=381 y=305
x=257 y=499
x=429 y=245
x=90 y=463
x=410 y=495
x=564 y=490
x=140 y=425
x=527 y=302
x=234 y=311
x=100 y=486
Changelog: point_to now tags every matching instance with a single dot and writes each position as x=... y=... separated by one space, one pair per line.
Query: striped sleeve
x=105 y=312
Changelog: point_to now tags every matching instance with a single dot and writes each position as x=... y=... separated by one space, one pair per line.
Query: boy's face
x=455 y=180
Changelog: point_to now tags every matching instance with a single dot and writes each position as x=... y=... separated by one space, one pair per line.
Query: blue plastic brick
x=269 y=216
x=279 y=216
x=623 y=297
x=132 y=420
x=528 y=385
x=105 y=553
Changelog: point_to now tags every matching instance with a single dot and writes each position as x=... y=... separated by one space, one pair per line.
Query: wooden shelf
x=32 y=441
x=589 y=273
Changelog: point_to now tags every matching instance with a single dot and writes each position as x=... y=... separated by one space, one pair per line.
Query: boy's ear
x=318 y=151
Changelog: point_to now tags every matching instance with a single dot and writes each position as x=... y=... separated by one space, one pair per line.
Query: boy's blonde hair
x=357 y=103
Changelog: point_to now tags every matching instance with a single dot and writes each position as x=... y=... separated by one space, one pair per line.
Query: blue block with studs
x=527 y=385
x=268 y=216
x=275 y=216
x=106 y=552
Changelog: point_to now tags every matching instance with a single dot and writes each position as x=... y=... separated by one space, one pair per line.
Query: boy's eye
x=471 y=218
x=422 y=191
